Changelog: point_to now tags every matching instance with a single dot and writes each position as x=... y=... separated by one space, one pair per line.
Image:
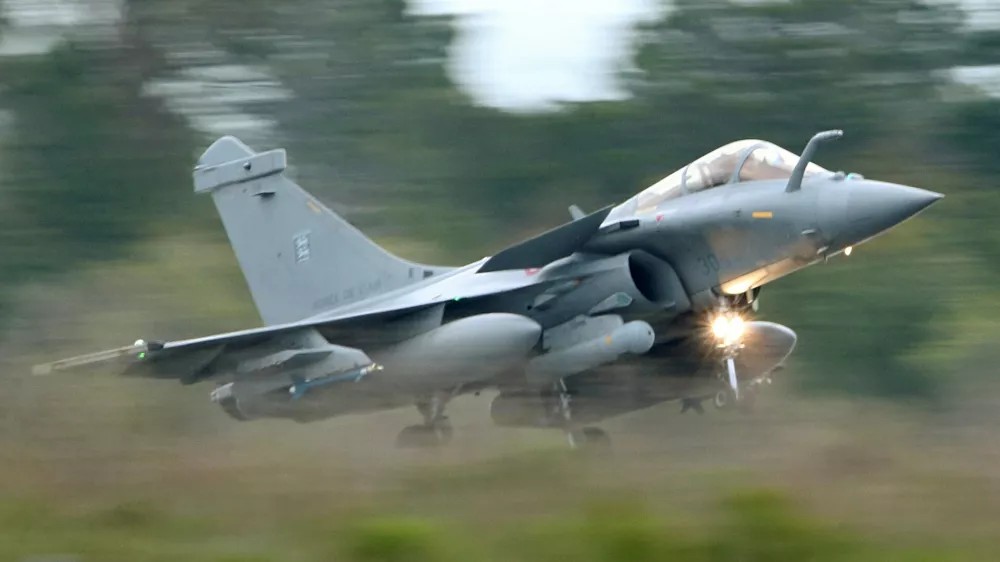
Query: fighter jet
x=633 y=305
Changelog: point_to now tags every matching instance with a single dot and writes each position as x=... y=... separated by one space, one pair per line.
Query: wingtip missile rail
x=138 y=350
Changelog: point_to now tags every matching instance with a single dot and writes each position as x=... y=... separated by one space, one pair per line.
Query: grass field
x=799 y=481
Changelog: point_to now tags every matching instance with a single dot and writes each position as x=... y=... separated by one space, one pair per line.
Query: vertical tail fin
x=298 y=257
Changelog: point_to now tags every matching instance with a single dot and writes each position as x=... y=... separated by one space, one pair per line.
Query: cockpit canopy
x=740 y=161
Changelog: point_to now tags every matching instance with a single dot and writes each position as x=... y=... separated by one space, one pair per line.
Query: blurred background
x=446 y=129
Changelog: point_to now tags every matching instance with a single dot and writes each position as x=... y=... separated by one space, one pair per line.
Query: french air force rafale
x=661 y=284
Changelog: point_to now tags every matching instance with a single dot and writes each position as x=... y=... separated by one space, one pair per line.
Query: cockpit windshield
x=740 y=161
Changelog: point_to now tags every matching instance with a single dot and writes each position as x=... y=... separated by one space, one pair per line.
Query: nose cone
x=874 y=207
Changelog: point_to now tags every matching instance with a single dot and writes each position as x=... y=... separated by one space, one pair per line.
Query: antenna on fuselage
x=795 y=182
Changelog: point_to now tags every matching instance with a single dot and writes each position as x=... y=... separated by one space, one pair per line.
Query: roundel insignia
x=532 y=270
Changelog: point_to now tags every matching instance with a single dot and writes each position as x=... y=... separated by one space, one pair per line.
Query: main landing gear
x=588 y=438
x=436 y=431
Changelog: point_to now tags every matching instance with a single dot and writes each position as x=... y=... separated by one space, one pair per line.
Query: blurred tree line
x=94 y=166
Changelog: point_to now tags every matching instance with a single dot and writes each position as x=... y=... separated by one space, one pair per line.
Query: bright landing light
x=727 y=329
x=848 y=250
x=720 y=327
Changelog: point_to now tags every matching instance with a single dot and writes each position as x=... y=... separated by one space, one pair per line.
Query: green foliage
x=756 y=526
x=395 y=540
x=129 y=515
x=763 y=526
x=89 y=163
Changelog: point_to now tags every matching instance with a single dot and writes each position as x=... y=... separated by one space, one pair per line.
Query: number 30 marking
x=709 y=263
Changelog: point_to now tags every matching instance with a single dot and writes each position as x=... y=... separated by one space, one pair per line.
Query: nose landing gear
x=728 y=330
x=725 y=399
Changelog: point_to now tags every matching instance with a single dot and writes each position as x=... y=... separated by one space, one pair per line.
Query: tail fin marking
x=298 y=257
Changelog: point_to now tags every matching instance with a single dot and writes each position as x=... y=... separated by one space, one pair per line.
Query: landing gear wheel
x=413 y=437
x=442 y=429
x=596 y=437
x=424 y=436
x=435 y=431
x=590 y=439
x=231 y=406
x=724 y=399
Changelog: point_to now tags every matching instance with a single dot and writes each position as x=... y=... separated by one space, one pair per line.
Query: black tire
x=596 y=436
x=724 y=399
x=414 y=437
x=424 y=437
x=443 y=432
x=592 y=440
x=231 y=406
